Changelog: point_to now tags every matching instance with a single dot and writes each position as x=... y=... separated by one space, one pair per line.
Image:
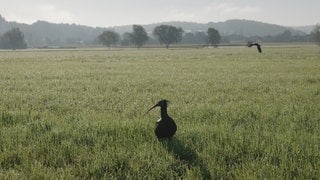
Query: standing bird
x=250 y=44
x=165 y=126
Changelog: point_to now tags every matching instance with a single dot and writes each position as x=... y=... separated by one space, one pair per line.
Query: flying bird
x=165 y=126
x=250 y=44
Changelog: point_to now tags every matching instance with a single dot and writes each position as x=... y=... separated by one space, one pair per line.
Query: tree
x=195 y=38
x=109 y=38
x=316 y=34
x=201 y=37
x=213 y=37
x=167 y=34
x=286 y=36
x=13 y=39
x=126 y=39
x=139 y=36
x=188 y=38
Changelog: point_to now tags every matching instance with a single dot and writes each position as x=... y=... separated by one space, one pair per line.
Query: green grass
x=81 y=113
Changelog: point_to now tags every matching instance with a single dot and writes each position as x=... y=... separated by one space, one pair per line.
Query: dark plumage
x=250 y=44
x=165 y=126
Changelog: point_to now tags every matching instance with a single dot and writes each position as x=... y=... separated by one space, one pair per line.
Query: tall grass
x=81 y=113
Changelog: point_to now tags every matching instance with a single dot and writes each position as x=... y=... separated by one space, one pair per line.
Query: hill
x=42 y=33
x=305 y=29
x=241 y=27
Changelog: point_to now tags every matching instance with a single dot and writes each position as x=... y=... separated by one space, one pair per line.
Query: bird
x=250 y=44
x=165 y=127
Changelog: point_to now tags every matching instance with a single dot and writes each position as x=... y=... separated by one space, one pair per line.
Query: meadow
x=81 y=114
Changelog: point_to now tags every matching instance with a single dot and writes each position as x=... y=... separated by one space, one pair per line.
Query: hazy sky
x=105 y=13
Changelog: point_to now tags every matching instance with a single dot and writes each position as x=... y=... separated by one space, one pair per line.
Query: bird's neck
x=164 y=112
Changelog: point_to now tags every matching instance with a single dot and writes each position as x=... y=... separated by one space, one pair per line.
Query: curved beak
x=152 y=108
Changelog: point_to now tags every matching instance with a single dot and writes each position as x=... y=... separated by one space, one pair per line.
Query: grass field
x=82 y=113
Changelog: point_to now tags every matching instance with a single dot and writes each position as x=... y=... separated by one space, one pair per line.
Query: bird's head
x=162 y=103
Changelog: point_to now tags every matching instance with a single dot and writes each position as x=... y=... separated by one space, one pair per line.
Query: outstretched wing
x=259 y=48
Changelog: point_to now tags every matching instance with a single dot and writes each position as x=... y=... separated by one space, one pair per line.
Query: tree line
x=165 y=35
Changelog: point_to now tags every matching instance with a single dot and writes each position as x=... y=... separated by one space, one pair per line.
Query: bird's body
x=165 y=126
x=250 y=44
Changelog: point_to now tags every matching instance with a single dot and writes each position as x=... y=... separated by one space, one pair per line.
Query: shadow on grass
x=185 y=155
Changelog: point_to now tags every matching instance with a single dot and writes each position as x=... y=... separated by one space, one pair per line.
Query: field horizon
x=82 y=113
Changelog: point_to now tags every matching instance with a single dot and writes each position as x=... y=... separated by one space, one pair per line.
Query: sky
x=108 y=13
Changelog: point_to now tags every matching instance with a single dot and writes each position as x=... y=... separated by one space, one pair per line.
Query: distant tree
x=139 y=36
x=188 y=38
x=195 y=38
x=201 y=37
x=213 y=37
x=109 y=38
x=316 y=34
x=126 y=39
x=167 y=34
x=13 y=39
x=286 y=36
